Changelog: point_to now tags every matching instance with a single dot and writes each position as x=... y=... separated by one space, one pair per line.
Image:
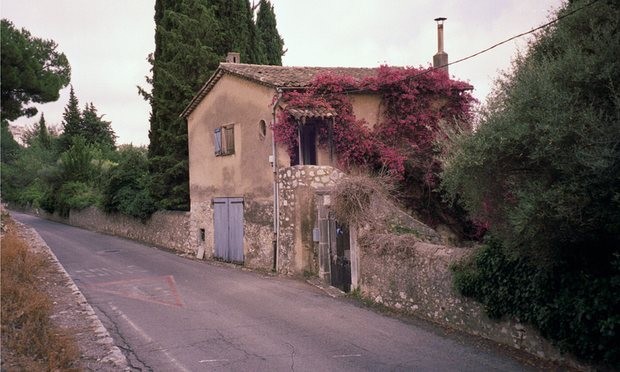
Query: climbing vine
x=416 y=105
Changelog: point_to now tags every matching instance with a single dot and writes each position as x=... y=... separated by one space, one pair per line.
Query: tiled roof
x=286 y=76
x=274 y=76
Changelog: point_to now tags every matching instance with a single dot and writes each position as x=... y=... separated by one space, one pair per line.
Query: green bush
x=543 y=171
x=126 y=190
x=574 y=309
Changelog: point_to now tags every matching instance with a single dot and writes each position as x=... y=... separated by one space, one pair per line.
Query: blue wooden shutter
x=235 y=229
x=220 y=227
x=218 y=141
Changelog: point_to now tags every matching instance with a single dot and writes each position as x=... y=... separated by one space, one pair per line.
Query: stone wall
x=167 y=229
x=297 y=188
x=418 y=281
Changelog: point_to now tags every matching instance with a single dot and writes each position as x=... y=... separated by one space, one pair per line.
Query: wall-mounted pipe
x=274 y=168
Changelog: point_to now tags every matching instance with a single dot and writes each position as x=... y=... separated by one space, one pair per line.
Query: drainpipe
x=276 y=204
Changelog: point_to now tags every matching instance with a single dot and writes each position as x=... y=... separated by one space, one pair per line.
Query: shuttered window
x=224 y=140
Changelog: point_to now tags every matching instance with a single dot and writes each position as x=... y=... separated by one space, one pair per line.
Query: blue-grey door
x=228 y=228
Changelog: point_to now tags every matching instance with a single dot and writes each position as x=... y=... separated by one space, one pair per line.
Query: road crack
x=292 y=356
x=135 y=363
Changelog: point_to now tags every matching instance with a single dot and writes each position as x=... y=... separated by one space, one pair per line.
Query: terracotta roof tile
x=274 y=76
x=286 y=76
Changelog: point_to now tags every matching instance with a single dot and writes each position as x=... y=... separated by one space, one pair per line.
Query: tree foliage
x=270 y=38
x=183 y=59
x=127 y=186
x=32 y=71
x=191 y=38
x=543 y=170
x=86 y=124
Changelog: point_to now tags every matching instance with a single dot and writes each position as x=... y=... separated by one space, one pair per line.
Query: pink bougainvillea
x=415 y=103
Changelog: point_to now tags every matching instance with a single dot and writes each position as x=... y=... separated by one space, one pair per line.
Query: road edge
x=114 y=355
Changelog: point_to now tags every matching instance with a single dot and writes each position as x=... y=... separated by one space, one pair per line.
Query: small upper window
x=262 y=129
x=224 y=140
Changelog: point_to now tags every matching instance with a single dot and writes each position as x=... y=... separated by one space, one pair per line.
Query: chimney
x=441 y=58
x=233 y=57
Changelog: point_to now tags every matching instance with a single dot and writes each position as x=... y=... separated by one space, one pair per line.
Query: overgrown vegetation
x=29 y=339
x=543 y=172
x=419 y=104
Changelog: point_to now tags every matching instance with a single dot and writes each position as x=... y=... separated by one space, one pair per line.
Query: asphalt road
x=169 y=313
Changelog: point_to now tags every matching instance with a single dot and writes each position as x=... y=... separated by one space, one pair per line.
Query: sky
x=107 y=43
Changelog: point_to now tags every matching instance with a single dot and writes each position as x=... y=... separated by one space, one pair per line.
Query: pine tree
x=184 y=58
x=270 y=39
x=32 y=71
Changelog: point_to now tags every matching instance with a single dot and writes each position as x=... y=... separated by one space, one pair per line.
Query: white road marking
x=347 y=356
x=148 y=339
x=212 y=360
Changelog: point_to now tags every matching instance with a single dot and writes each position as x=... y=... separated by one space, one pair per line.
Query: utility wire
x=507 y=40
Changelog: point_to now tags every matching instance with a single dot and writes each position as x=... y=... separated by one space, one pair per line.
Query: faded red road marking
x=160 y=290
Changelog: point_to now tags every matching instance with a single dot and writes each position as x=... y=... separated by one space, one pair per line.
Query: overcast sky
x=107 y=43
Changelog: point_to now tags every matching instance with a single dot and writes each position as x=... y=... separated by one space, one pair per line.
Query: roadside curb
x=114 y=358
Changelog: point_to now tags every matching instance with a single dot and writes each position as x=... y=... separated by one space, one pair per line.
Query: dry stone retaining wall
x=418 y=281
x=167 y=229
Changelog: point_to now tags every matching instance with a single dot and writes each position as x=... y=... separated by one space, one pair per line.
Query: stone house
x=252 y=203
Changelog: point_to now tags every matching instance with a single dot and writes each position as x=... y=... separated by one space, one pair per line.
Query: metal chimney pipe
x=440 y=60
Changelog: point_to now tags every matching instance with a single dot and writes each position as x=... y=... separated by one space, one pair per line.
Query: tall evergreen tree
x=87 y=124
x=185 y=33
x=96 y=130
x=71 y=121
x=191 y=38
x=270 y=38
x=38 y=134
x=44 y=137
x=237 y=31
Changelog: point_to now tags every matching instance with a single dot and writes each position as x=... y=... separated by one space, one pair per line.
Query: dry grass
x=358 y=198
x=30 y=342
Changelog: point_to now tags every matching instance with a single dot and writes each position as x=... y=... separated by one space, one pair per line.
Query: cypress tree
x=237 y=31
x=44 y=135
x=268 y=35
x=71 y=121
x=185 y=33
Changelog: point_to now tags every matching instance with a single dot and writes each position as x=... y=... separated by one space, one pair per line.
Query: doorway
x=228 y=229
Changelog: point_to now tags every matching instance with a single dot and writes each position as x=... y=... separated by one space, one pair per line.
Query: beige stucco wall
x=367 y=107
x=247 y=173
x=231 y=101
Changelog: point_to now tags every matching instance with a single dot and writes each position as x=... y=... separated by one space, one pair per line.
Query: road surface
x=170 y=313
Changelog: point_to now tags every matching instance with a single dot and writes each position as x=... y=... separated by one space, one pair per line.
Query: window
x=224 y=140
x=262 y=129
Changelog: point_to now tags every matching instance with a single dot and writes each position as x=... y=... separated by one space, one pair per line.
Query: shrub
x=543 y=172
x=574 y=309
x=127 y=187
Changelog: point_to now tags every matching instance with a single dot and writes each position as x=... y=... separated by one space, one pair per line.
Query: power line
x=507 y=40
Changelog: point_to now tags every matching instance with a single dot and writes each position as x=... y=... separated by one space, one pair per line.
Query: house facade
x=251 y=202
